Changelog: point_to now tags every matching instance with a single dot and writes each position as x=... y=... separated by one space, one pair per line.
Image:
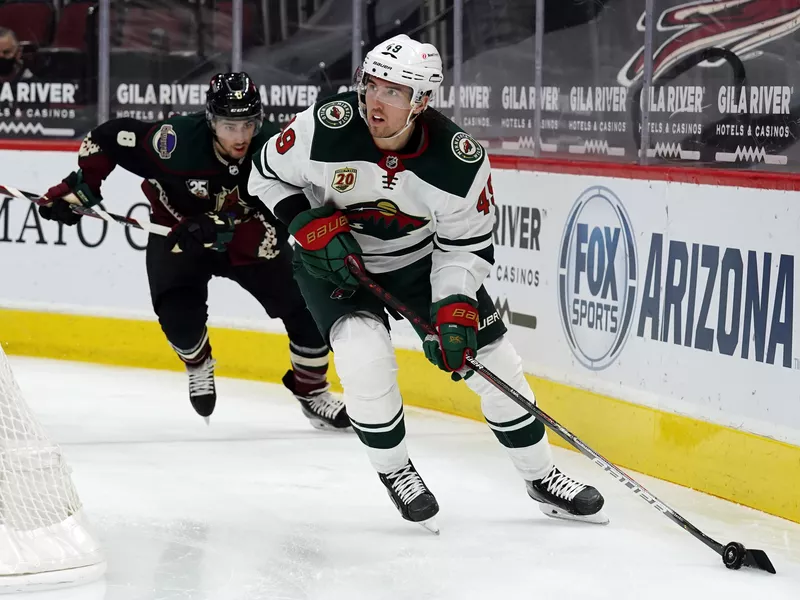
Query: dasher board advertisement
x=672 y=295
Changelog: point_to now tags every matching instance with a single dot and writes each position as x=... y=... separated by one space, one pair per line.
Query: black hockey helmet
x=233 y=96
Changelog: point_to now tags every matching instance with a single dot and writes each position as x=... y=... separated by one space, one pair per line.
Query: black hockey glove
x=194 y=235
x=59 y=210
x=56 y=208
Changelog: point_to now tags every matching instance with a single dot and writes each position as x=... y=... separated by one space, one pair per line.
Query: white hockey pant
x=367 y=368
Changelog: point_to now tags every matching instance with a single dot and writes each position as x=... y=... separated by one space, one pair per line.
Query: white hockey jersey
x=401 y=207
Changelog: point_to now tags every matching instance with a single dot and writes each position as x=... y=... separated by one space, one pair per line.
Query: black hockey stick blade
x=736 y=556
x=758 y=559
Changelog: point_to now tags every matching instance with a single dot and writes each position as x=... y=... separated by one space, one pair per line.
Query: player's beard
x=229 y=152
x=385 y=130
x=238 y=154
x=381 y=130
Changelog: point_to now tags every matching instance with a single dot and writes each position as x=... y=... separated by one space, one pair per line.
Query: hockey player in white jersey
x=378 y=174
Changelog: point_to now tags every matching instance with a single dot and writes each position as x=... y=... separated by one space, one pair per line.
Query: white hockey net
x=44 y=539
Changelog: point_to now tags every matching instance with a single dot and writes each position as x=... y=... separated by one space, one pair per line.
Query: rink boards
x=657 y=315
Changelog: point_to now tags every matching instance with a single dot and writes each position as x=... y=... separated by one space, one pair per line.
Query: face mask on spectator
x=7 y=65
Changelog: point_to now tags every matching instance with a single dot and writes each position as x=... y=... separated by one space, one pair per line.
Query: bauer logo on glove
x=325 y=241
x=316 y=239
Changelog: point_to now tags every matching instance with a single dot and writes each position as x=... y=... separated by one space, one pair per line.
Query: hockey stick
x=734 y=555
x=97 y=212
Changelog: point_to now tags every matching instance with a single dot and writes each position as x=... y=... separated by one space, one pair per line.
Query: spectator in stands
x=11 y=66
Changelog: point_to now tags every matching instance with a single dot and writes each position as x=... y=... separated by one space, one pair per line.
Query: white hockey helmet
x=403 y=61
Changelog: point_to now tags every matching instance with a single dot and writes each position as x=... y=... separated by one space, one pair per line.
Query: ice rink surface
x=261 y=506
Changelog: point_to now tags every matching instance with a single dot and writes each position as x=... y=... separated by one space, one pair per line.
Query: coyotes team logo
x=227 y=199
x=383 y=219
x=740 y=26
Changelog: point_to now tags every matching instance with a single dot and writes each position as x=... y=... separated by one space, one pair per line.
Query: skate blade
x=207 y=420
x=323 y=426
x=430 y=525
x=554 y=512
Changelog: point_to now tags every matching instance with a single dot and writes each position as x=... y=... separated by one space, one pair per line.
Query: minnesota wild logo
x=466 y=148
x=335 y=115
x=383 y=219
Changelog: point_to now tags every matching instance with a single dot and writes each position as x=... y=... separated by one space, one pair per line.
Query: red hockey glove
x=456 y=320
x=324 y=237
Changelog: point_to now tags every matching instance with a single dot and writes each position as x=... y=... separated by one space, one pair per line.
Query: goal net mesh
x=42 y=529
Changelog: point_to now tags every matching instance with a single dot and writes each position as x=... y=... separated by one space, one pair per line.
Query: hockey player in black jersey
x=195 y=171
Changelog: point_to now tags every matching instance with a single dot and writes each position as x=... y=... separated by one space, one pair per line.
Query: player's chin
x=379 y=131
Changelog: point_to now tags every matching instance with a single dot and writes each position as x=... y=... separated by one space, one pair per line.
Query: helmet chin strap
x=399 y=133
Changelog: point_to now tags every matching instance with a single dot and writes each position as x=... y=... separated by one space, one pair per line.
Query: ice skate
x=202 y=391
x=323 y=409
x=562 y=497
x=411 y=496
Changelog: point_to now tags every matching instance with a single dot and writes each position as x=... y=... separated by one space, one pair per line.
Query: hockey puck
x=733 y=555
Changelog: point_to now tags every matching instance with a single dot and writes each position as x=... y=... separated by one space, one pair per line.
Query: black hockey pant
x=179 y=292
